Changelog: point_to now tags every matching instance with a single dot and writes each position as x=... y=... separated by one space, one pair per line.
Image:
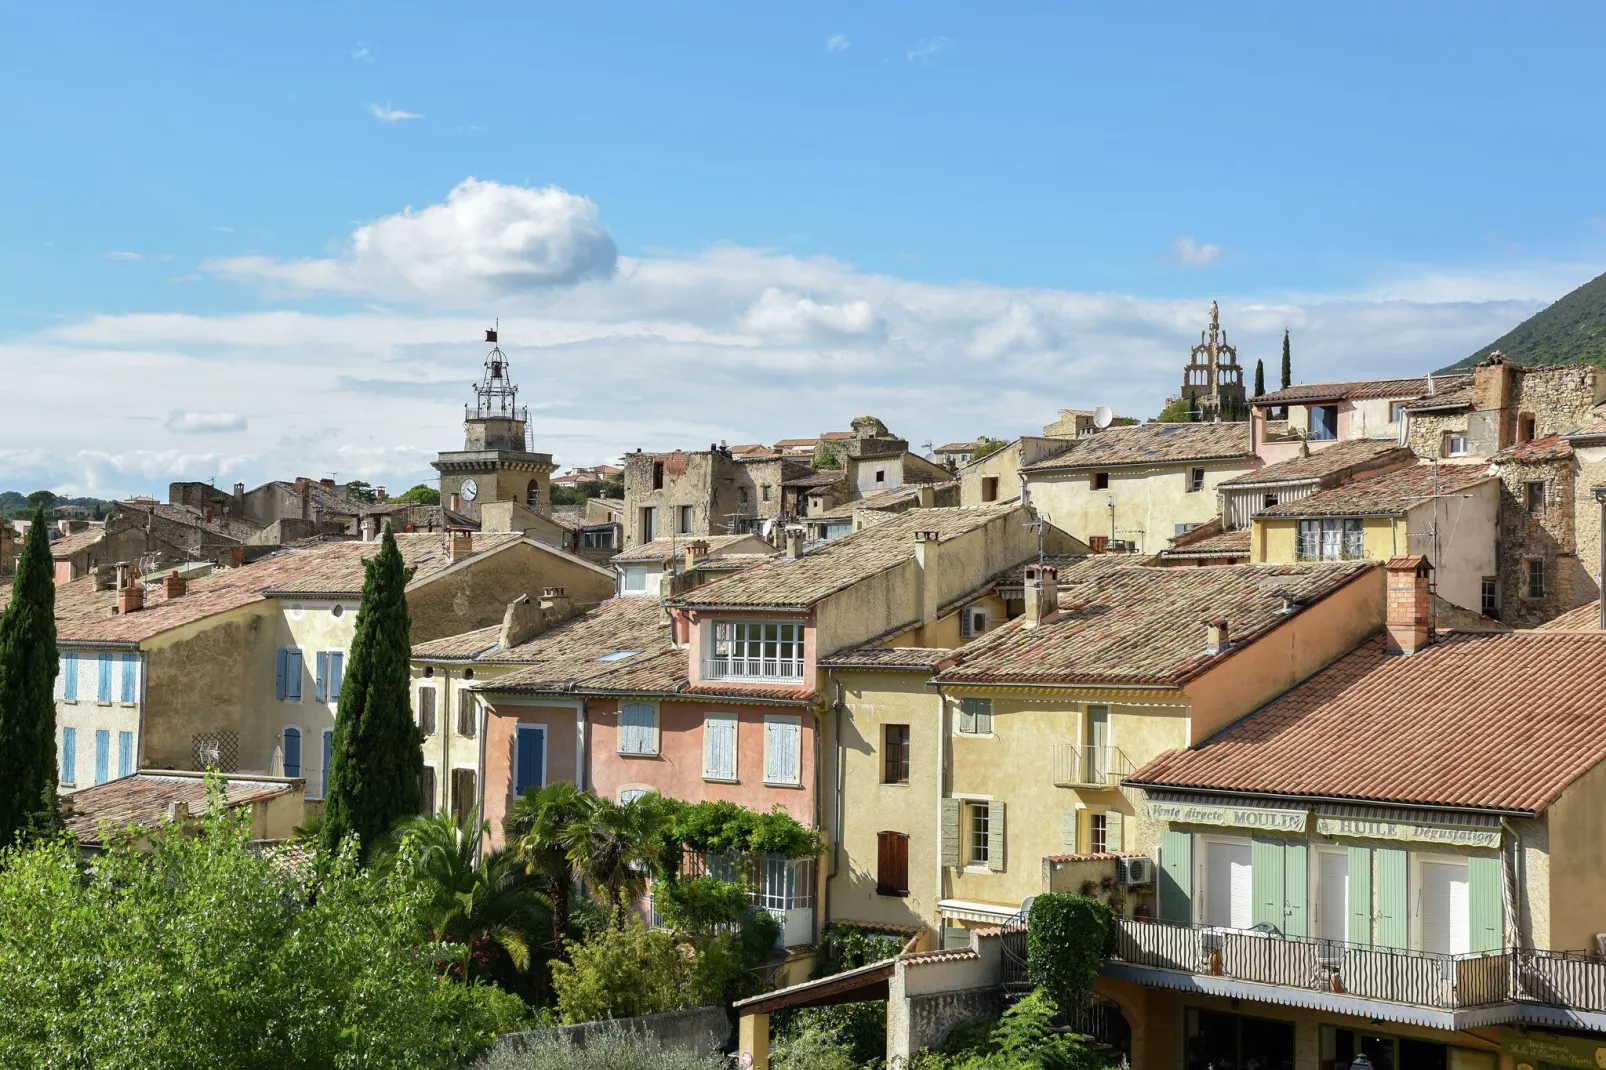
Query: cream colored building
x=1314 y=415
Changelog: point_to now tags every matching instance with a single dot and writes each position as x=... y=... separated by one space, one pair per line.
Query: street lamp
x=1599 y=491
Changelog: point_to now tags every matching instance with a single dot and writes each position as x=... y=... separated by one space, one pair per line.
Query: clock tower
x=496 y=462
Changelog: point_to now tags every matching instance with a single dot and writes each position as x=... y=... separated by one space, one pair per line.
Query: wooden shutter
x=426 y=790
x=995 y=837
x=1360 y=895
x=1176 y=876
x=426 y=710
x=1112 y=830
x=125 y=753
x=105 y=692
x=967 y=717
x=637 y=728
x=781 y=739
x=293 y=668
x=69 y=686
x=950 y=831
x=1392 y=904
x=1267 y=863
x=69 y=756
x=281 y=674
x=337 y=673
x=292 y=752
x=103 y=743
x=719 y=748
x=320 y=678
x=1296 y=889
x=1070 y=825
x=531 y=758
x=1484 y=894
x=130 y=667
x=892 y=863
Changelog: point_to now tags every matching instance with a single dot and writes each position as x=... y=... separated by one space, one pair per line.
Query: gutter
x=1343 y=800
x=942 y=794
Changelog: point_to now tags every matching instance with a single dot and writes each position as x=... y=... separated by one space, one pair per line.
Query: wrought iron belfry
x=495 y=395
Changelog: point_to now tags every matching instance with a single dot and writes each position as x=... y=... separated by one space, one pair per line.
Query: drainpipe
x=479 y=774
x=1025 y=493
x=942 y=771
x=824 y=886
x=838 y=817
x=443 y=778
x=580 y=722
x=144 y=699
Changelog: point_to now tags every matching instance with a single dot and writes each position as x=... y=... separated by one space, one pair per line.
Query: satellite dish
x=1103 y=417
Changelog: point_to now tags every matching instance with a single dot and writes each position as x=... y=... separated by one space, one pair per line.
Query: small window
x=1526 y=426
x=1097 y=833
x=1536 y=578
x=1455 y=445
x=630 y=795
x=638 y=728
x=892 y=863
x=687 y=516
x=976 y=716
x=1101 y=481
x=1196 y=478
x=880 y=475
x=1324 y=422
x=426 y=710
x=741 y=495
x=979 y=829
x=1536 y=498
x=657 y=475
x=764 y=492
x=989 y=488
x=635 y=579
x=1491 y=597
x=1396 y=411
x=895 y=747
x=1268 y=500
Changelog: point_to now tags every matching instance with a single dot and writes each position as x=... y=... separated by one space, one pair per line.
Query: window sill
x=894 y=783
x=783 y=784
x=983 y=868
x=894 y=893
x=69 y=702
x=975 y=735
x=69 y=784
x=720 y=779
x=103 y=702
x=638 y=754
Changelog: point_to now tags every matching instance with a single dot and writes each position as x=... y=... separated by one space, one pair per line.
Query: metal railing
x=765 y=670
x=1078 y=765
x=1099 y=1018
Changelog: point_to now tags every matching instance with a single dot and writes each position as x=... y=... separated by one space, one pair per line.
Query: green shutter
x=1069 y=824
x=1176 y=876
x=1360 y=895
x=995 y=837
x=1296 y=888
x=1267 y=858
x=950 y=832
x=1113 y=838
x=1392 y=901
x=1484 y=891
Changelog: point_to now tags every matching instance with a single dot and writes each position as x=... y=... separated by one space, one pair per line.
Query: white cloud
x=1195 y=253
x=387 y=114
x=837 y=42
x=122 y=254
x=795 y=316
x=486 y=240
x=927 y=47
x=195 y=423
x=362 y=53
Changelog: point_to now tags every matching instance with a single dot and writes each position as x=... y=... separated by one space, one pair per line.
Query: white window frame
x=1317 y=906
x=736 y=753
x=631 y=792
x=794 y=721
x=638 y=573
x=1196 y=480
x=968 y=808
x=1450 y=439
x=619 y=731
x=685 y=519
x=1201 y=874
x=1415 y=923
x=769 y=670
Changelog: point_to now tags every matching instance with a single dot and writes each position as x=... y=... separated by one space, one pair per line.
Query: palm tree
x=473 y=902
x=539 y=830
x=617 y=845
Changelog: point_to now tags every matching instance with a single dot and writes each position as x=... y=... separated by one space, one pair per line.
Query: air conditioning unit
x=1136 y=869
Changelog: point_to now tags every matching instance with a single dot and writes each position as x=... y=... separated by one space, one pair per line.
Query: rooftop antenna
x=1103 y=417
x=1039 y=524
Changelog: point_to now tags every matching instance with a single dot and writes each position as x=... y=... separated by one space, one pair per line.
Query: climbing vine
x=1067 y=940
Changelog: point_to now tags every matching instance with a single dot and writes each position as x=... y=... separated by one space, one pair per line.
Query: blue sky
x=757 y=221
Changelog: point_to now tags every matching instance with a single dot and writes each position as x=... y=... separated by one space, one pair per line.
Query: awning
x=971 y=910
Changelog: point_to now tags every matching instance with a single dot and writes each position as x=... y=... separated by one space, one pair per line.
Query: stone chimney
x=459 y=544
x=794 y=543
x=1042 y=585
x=173 y=585
x=520 y=623
x=104 y=577
x=178 y=810
x=122 y=574
x=1493 y=424
x=370 y=528
x=557 y=603
x=927 y=496
x=239 y=500
x=130 y=599
x=695 y=552
x=1409 y=625
x=1216 y=635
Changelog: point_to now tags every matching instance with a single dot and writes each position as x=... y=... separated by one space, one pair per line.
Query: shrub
x=858 y=1028
x=699 y=906
x=612 y=1049
x=623 y=973
x=817 y=1047
x=1068 y=939
x=847 y=947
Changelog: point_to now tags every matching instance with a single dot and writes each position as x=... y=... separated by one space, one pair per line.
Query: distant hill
x=1571 y=331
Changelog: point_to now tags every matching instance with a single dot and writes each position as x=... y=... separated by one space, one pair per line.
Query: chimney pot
x=1409 y=625
x=174 y=585
x=178 y=810
x=1216 y=635
x=1042 y=589
x=794 y=543
x=370 y=528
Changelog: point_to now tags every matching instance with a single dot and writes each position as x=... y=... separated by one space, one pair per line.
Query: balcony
x=1080 y=766
x=1557 y=988
x=754 y=670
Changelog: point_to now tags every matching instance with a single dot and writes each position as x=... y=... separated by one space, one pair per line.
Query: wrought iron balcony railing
x=1076 y=765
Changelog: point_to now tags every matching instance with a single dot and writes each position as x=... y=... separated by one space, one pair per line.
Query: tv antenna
x=1103 y=417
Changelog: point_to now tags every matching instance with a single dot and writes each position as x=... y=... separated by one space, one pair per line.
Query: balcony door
x=1446 y=908
x=1332 y=890
x=1098 y=742
x=1229 y=885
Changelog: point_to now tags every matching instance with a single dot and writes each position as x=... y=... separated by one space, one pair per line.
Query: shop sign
x=1244 y=817
x=1446 y=835
x=1531 y=1050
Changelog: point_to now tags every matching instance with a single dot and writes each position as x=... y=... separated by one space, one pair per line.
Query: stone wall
x=701 y=1030
x=1546 y=536
x=1589 y=470
x=461 y=600
x=1427 y=431
x=929 y=1019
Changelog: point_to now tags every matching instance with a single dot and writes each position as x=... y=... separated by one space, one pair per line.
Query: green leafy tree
x=1193 y=407
x=825 y=458
x=614 y=846
x=376 y=756
x=540 y=828
x=422 y=494
x=41 y=500
x=27 y=692
x=205 y=951
x=1175 y=412
x=986 y=446
x=1260 y=377
x=1068 y=938
x=629 y=971
x=1288 y=363
x=699 y=907
x=360 y=491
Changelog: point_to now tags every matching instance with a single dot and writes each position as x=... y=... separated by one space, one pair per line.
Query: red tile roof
x=1538 y=450
x=1499 y=721
x=1586 y=618
x=1389 y=494
x=1332 y=460
x=1221 y=544
x=1154 y=443
x=675 y=548
x=1359 y=389
x=887 y=657
x=141 y=800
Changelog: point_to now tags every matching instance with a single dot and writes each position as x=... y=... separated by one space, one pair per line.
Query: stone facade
x=1538 y=530
x=1428 y=431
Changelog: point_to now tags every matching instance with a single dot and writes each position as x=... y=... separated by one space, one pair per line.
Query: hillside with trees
x=1572 y=330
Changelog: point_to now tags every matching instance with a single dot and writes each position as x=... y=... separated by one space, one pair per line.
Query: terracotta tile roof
x=1150 y=444
x=675 y=548
x=1595 y=428
x=566 y=656
x=1501 y=721
x=1070 y=570
x=1142 y=625
x=142 y=799
x=752 y=691
x=1225 y=543
x=887 y=657
x=1457 y=397
x=840 y=563
x=1327 y=461
x=570 y=519
x=1098 y=856
x=1360 y=389
x=789 y=443
x=956 y=447
x=1548 y=448
x=1389 y=494
x=932 y=958
x=68 y=545
x=825 y=477
x=1585 y=618
x=337 y=567
x=462 y=646
x=881 y=499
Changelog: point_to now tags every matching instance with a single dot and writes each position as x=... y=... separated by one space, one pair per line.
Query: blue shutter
x=69 y=672
x=105 y=691
x=125 y=754
x=292 y=752
x=280 y=673
x=294 y=669
x=103 y=752
x=69 y=756
x=130 y=669
x=328 y=748
x=337 y=673
x=320 y=681
x=531 y=758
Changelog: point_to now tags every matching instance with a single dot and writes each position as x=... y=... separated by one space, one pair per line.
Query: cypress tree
x=1288 y=366
x=376 y=756
x=27 y=692
x=1193 y=406
x=1260 y=377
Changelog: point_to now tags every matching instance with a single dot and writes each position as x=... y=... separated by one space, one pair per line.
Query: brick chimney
x=1410 y=602
x=1216 y=635
x=130 y=599
x=695 y=552
x=1042 y=593
x=173 y=585
x=237 y=555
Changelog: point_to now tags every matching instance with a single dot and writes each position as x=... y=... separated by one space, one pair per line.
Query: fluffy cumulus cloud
x=487 y=240
x=837 y=42
x=1195 y=253
x=659 y=352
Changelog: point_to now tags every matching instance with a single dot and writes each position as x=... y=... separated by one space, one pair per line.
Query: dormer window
x=759 y=651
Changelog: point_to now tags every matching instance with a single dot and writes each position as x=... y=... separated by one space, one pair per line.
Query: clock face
x=469 y=490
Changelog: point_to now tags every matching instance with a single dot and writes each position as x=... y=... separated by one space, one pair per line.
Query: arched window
x=532 y=497
x=292 y=752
